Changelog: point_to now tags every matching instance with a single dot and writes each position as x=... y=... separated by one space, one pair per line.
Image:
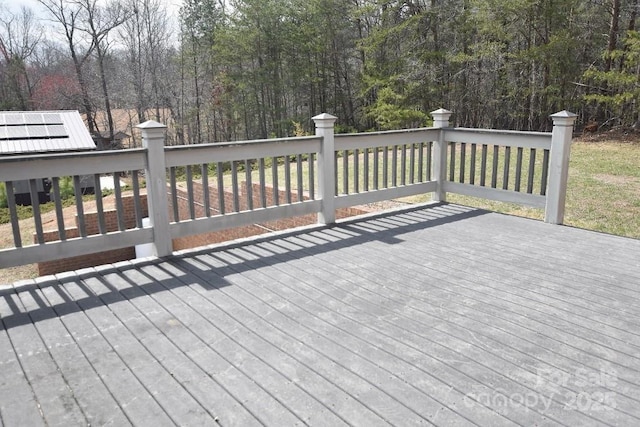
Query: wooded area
x=245 y=69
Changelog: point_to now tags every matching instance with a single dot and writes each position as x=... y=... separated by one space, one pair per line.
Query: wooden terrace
x=437 y=314
x=434 y=315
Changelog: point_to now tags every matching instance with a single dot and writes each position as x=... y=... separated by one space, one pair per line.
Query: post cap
x=441 y=111
x=441 y=118
x=151 y=124
x=564 y=118
x=324 y=117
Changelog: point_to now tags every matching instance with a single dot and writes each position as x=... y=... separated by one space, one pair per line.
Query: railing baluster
x=248 y=184
x=420 y=160
x=518 y=169
x=345 y=172
x=335 y=172
x=274 y=177
x=356 y=171
x=35 y=205
x=119 y=207
x=385 y=167
x=287 y=179
x=79 y=206
x=463 y=159
x=13 y=212
x=190 y=198
x=483 y=166
x=532 y=169
x=472 y=164
x=206 y=202
x=312 y=176
x=136 y=198
x=394 y=166
x=403 y=164
x=429 y=160
x=452 y=161
x=102 y=228
x=366 y=172
x=57 y=201
x=412 y=161
x=220 y=178
x=545 y=173
x=494 y=164
x=299 y=177
x=263 y=184
x=507 y=166
x=234 y=186
x=376 y=164
x=174 y=194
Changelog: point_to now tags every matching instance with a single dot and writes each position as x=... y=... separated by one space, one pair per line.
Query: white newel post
x=440 y=120
x=153 y=137
x=559 y=166
x=326 y=167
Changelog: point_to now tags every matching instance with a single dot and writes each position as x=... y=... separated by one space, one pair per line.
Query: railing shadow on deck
x=209 y=267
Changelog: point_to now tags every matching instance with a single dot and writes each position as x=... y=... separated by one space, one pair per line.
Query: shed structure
x=37 y=132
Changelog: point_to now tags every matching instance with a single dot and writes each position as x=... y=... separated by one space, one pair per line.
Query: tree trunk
x=86 y=101
x=105 y=93
x=613 y=33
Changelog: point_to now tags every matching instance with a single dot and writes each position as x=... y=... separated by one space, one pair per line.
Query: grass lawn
x=603 y=193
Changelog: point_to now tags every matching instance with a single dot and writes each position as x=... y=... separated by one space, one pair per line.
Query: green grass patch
x=603 y=192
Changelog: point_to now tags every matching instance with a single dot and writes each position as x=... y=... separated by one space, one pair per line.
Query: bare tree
x=99 y=22
x=69 y=16
x=20 y=35
x=146 y=39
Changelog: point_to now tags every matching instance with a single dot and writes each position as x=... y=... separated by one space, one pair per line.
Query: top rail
x=38 y=166
x=377 y=139
x=514 y=139
x=225 y=152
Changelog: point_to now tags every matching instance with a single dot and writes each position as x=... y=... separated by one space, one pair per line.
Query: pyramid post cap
x=151 y=124
x=441 y=111
x=564 y=114
x=324 y=116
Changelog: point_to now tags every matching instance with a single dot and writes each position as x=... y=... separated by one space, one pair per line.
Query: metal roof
x=30 y=132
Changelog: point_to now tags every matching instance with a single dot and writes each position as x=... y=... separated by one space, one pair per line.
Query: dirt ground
x=27 y=230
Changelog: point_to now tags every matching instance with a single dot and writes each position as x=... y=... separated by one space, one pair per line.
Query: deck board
x=434 y=315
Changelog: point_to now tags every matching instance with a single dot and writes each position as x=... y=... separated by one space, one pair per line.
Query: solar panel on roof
x=17 y=131
x=14 y=119
x=52 y=119
x=57 y=131
x=33 y=118
x=37 y=131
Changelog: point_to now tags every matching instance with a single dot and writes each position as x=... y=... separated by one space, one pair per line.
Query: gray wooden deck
x=439 y=315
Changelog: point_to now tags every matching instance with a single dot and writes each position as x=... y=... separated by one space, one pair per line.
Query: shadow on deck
x=437 y=314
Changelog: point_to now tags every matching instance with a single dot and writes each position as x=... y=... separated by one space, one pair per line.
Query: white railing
x=203 y=188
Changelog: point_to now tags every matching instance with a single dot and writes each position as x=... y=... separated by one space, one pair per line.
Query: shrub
x=3 y=196
x=66 y=187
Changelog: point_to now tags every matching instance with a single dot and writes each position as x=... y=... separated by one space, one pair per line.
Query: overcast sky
x=172 y=5
x=15 y=4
